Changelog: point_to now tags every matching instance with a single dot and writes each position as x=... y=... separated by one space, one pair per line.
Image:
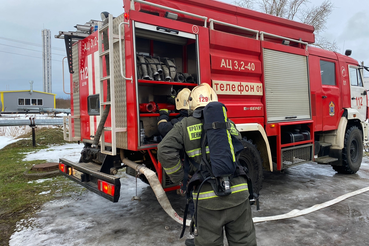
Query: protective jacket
x=186 y=135
x=165 y=125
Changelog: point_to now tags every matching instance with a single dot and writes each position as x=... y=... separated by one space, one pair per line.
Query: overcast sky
x=22 y=21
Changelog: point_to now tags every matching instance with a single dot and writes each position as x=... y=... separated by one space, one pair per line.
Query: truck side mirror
x=348 y=52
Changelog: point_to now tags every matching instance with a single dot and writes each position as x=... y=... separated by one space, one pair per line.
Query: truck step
x=324 y=149
x=325 y=160
x=324 y=145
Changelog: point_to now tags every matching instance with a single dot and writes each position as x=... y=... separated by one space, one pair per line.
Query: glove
x=180 y=191
x=171 y=100
x=174 y=121
x=164 y=114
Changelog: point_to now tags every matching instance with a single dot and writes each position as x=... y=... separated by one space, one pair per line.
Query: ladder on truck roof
x=258 y=34
x=108 y=38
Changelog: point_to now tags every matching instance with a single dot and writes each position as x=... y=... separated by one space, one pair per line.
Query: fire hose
x=158 y=190
x=165 y=204
x=297 y=212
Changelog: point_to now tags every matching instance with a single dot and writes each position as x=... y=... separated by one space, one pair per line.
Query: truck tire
x=352 y=153
x=250 y=158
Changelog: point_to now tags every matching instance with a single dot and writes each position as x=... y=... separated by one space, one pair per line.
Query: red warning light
x=106 y=187
x=126 y=16
x=62 y=168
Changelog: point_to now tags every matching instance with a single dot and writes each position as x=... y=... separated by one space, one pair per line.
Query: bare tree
x=317 y=16
x=245 y=4
x=325 y=44
x=297 y=10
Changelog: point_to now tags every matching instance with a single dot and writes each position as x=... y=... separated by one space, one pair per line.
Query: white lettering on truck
x=237 y=88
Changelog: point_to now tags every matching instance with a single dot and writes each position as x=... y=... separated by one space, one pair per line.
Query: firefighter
x=164 y=125
x=232 y=212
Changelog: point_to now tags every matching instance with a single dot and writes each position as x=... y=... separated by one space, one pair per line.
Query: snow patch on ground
x=4 y=141
x=52 y=154
x=45 y=192
x=38 y=181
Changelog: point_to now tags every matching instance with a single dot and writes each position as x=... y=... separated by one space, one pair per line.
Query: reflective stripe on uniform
x=211 y=194
x=173 y=169
x=161 y=121
x=234 y=130
x=229 y=137
x=197 y=152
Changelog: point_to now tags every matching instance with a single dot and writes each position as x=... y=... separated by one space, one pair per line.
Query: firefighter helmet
x=201 y=95
x=181 y=99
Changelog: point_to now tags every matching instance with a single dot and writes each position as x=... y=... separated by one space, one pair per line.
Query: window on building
x=328 y=72
x=93 y=105
x=28 y=101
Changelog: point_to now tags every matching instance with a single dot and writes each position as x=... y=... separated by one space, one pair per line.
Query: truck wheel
x=352 y=153
x=250 y=158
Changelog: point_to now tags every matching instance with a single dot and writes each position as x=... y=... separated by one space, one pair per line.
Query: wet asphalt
x=87 y=219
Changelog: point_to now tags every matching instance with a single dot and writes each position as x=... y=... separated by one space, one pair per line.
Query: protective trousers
x=237 y=222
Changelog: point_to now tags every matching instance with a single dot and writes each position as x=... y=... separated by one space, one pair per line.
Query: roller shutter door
x=287 y=90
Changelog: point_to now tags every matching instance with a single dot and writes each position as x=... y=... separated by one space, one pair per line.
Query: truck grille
x=297 y=155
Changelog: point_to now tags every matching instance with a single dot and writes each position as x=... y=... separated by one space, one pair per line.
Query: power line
x=30 y=49
x=26 y=55
x=29 y=43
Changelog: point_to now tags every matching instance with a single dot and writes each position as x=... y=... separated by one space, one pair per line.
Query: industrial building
x=26 y=101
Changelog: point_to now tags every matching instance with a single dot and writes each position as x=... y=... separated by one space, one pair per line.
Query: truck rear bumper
x=89 y=176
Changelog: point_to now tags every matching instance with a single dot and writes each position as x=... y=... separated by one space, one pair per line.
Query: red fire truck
x=293 y=103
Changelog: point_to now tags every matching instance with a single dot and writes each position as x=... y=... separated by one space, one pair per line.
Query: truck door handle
x=324 y=97
x=364 y=93
x=159 y=28
x=353 y=98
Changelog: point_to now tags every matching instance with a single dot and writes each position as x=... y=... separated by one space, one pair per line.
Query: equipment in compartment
x=295 y=136
x=170 y=63
x=152 y=107
x=189 y=78
x=161 y=69
x=154 y=64
x=148 y=131
x=166 y=75
x=143 y=70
